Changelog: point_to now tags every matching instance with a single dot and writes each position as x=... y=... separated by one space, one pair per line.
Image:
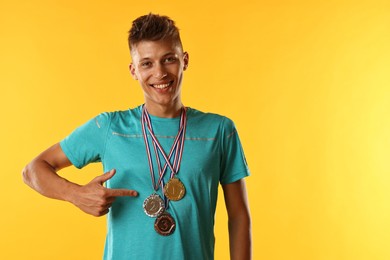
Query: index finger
x=121 y=192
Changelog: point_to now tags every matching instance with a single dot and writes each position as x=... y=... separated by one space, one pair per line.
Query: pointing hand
x=95 y=199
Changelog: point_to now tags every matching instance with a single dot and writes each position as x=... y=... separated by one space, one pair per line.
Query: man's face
x=159 y=66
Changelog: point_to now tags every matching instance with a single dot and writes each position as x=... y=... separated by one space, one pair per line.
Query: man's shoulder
x=210 y=121
x=119 y=115
x=195 y=113
x=117 y=119
x=213 y=118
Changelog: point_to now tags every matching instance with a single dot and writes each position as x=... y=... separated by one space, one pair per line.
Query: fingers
x=95 y=199
x=114 y=192
x=121 y=192
x=97 y=212
x=102 y=205
x=105 y=177
x=100 y=214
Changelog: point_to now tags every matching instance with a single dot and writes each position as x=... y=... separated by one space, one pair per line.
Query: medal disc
x=165 y=225
x=153 y=206
x=174 y=189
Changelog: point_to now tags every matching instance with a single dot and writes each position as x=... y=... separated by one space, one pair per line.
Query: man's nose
x=160 y=72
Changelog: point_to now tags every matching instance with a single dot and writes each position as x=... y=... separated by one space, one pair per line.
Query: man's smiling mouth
x=162 y=86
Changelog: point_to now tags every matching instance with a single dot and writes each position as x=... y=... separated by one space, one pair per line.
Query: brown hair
x=153 y=27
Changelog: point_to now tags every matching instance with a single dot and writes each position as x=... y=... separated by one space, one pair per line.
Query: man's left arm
x=239 y=220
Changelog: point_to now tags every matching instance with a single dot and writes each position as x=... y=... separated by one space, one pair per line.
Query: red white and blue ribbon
x=177 y=148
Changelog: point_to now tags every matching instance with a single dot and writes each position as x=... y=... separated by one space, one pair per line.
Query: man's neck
x=170 y=111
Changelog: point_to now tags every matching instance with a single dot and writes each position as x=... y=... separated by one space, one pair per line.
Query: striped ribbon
x=177 y=147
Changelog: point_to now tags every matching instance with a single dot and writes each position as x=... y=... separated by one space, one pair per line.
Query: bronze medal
x=165 y=225
x=174 y=189
x=153 y=205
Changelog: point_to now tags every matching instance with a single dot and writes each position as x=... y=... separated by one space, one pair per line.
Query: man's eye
x=146 y=64
x=170 y=59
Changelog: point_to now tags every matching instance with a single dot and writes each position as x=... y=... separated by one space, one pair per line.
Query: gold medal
x=165 y=225
x=174 y=189
x=153 y=206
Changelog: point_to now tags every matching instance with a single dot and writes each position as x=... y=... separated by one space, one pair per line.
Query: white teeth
x=162 y=86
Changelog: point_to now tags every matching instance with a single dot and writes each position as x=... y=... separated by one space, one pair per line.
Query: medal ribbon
x=178 y=155
x=178 y=142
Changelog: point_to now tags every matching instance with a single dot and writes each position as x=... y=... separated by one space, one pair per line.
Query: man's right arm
x=92 y=198
x=41 y=174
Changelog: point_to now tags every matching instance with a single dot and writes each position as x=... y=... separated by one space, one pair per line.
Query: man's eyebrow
x=144 y=59
x=169 y=53
x=165 y=55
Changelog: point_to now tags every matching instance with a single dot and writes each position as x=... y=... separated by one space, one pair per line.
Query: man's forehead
x=149 y=49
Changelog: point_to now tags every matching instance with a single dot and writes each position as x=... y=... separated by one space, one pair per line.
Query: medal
x=153 y=205
x=165 y=225
x=174 y=189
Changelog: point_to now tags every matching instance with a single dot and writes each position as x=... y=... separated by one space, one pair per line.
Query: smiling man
x=158 y=66
x=163 y=163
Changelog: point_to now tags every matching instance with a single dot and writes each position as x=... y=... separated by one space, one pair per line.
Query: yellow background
x=306 y=82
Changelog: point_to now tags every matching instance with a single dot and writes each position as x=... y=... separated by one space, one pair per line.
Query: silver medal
x=153 y=205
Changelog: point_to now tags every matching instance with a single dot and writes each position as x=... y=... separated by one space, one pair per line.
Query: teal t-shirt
x=212 y=155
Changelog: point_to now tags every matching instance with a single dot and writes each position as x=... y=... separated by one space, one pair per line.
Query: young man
x=163 y=163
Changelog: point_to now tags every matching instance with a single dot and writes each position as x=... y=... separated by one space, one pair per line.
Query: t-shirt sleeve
x=233 y=163
x=86 y=144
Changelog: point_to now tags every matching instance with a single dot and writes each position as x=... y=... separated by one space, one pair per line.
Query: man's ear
x=132 y=71
x=186 y=59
